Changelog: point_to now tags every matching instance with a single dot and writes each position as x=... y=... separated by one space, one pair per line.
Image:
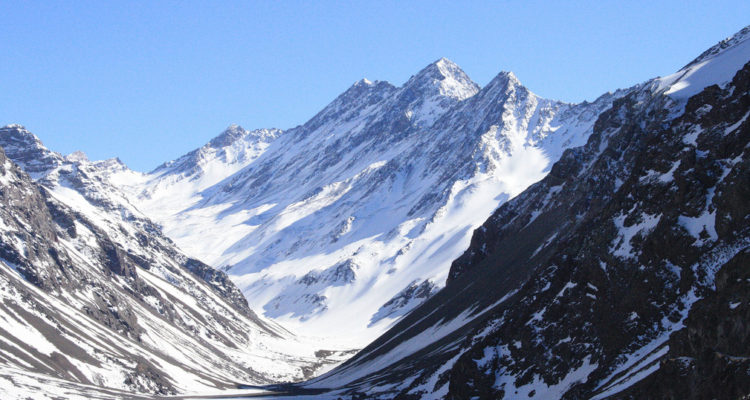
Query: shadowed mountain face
x=592 y=279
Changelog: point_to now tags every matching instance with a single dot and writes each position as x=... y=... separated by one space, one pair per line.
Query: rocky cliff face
x=710 y=357
x=589 y=281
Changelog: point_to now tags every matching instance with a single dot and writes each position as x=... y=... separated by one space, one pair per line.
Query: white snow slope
x=323 y=224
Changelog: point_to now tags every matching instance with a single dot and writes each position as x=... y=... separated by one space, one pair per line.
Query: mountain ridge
x=374 y=140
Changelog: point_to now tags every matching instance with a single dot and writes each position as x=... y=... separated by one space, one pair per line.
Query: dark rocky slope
x=710 y=358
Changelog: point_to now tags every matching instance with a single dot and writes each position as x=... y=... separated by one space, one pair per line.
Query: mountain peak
x=13 y=126
x=25 y=149
x=18 y=133
x=507 y=77
x=445 y=65
x=363 y=82
x=503 y=82
x=366 y=87
x=445 y=77
x=448 y=68
x=229 y=136
x=77 y=155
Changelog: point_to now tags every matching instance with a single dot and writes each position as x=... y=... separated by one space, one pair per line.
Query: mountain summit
x=445 y=76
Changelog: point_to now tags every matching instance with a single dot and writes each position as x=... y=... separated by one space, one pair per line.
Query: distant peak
x=365 y=85
x=508 y=75
x=77 y=156
x=235 y=133
x=505 y=79
x=16 y=129
x=363 y=82
x=25 y=149
x=18 y=134
x=229 y=136
x=361 y=89
x=445 y=63
x=113 y=162
x=441 y=69
x=234 y=128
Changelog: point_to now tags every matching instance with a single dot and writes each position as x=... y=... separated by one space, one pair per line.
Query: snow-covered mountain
x=92 y=295
x=337 y=222
x=602 y=279
x=622 y=274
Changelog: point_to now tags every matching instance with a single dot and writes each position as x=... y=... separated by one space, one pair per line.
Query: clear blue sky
x=148 y=81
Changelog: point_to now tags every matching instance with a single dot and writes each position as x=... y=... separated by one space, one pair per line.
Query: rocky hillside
x=92 y=294
x=620 y=274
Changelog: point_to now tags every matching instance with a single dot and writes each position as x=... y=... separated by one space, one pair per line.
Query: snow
x=644 y=361
x=706 y=222
x=639 y=364
x=669 y=175
x=31 y=336
x=716 y=69
x=438 y=331
x=266 y=354
x=666 y=177
x=544 y=244
x=568 y=285
x=7 y=176
x=409 y=346
x=493 y=352
x=737 y=124
x=538 y=389
x=621 y=246
x=21 y=384
x=629 y=380
x=691 y=137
